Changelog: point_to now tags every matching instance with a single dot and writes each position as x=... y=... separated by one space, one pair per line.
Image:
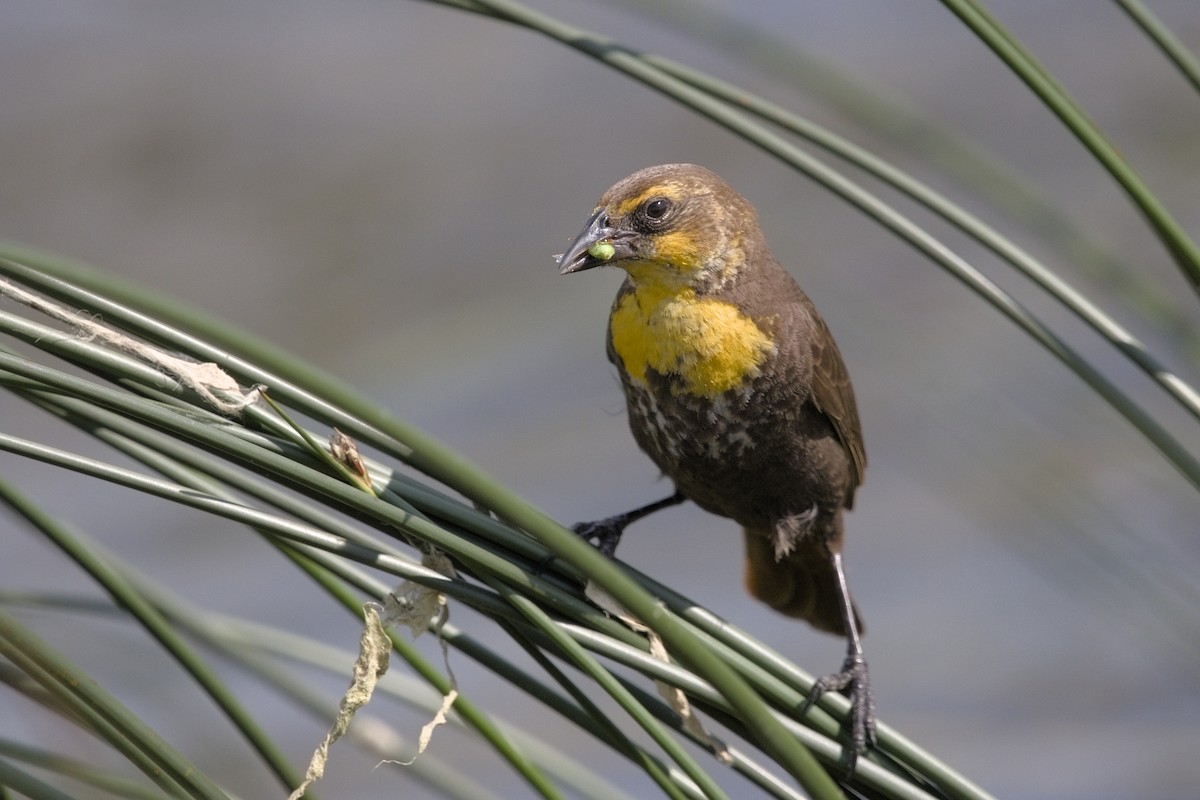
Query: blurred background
x=379 y=187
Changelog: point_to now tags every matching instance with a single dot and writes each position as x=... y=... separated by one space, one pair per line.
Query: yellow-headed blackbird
x=736 y=390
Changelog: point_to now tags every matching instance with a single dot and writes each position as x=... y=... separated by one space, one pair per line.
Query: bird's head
x=674 y=224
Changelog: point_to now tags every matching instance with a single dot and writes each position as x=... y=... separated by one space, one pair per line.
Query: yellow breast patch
x=708 y=343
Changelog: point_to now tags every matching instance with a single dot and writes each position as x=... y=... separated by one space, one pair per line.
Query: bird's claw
x=604 y=533
x=855 y=682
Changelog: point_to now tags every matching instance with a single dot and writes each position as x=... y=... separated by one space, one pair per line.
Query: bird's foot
x=854 y=681
x=605 y=533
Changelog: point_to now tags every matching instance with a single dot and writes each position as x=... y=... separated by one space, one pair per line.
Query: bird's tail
x=801 y=584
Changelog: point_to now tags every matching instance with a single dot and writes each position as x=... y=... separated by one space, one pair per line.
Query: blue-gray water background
x=379 y=187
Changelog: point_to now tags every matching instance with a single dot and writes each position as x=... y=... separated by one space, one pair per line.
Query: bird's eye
x=656 y=209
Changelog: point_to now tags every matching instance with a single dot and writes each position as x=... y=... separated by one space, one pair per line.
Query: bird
x=735 y=389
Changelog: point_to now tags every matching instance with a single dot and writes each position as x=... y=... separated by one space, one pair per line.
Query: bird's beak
x=598 y=244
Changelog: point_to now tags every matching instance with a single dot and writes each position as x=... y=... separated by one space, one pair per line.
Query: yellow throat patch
x=709 y=343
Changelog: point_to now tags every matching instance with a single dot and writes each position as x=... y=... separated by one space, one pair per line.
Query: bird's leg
x=854 y=676
x=606 y=533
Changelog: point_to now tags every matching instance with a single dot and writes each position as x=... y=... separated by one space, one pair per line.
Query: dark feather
x=834 y=397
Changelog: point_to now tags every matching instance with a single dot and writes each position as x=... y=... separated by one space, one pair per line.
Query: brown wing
x=834 y=397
